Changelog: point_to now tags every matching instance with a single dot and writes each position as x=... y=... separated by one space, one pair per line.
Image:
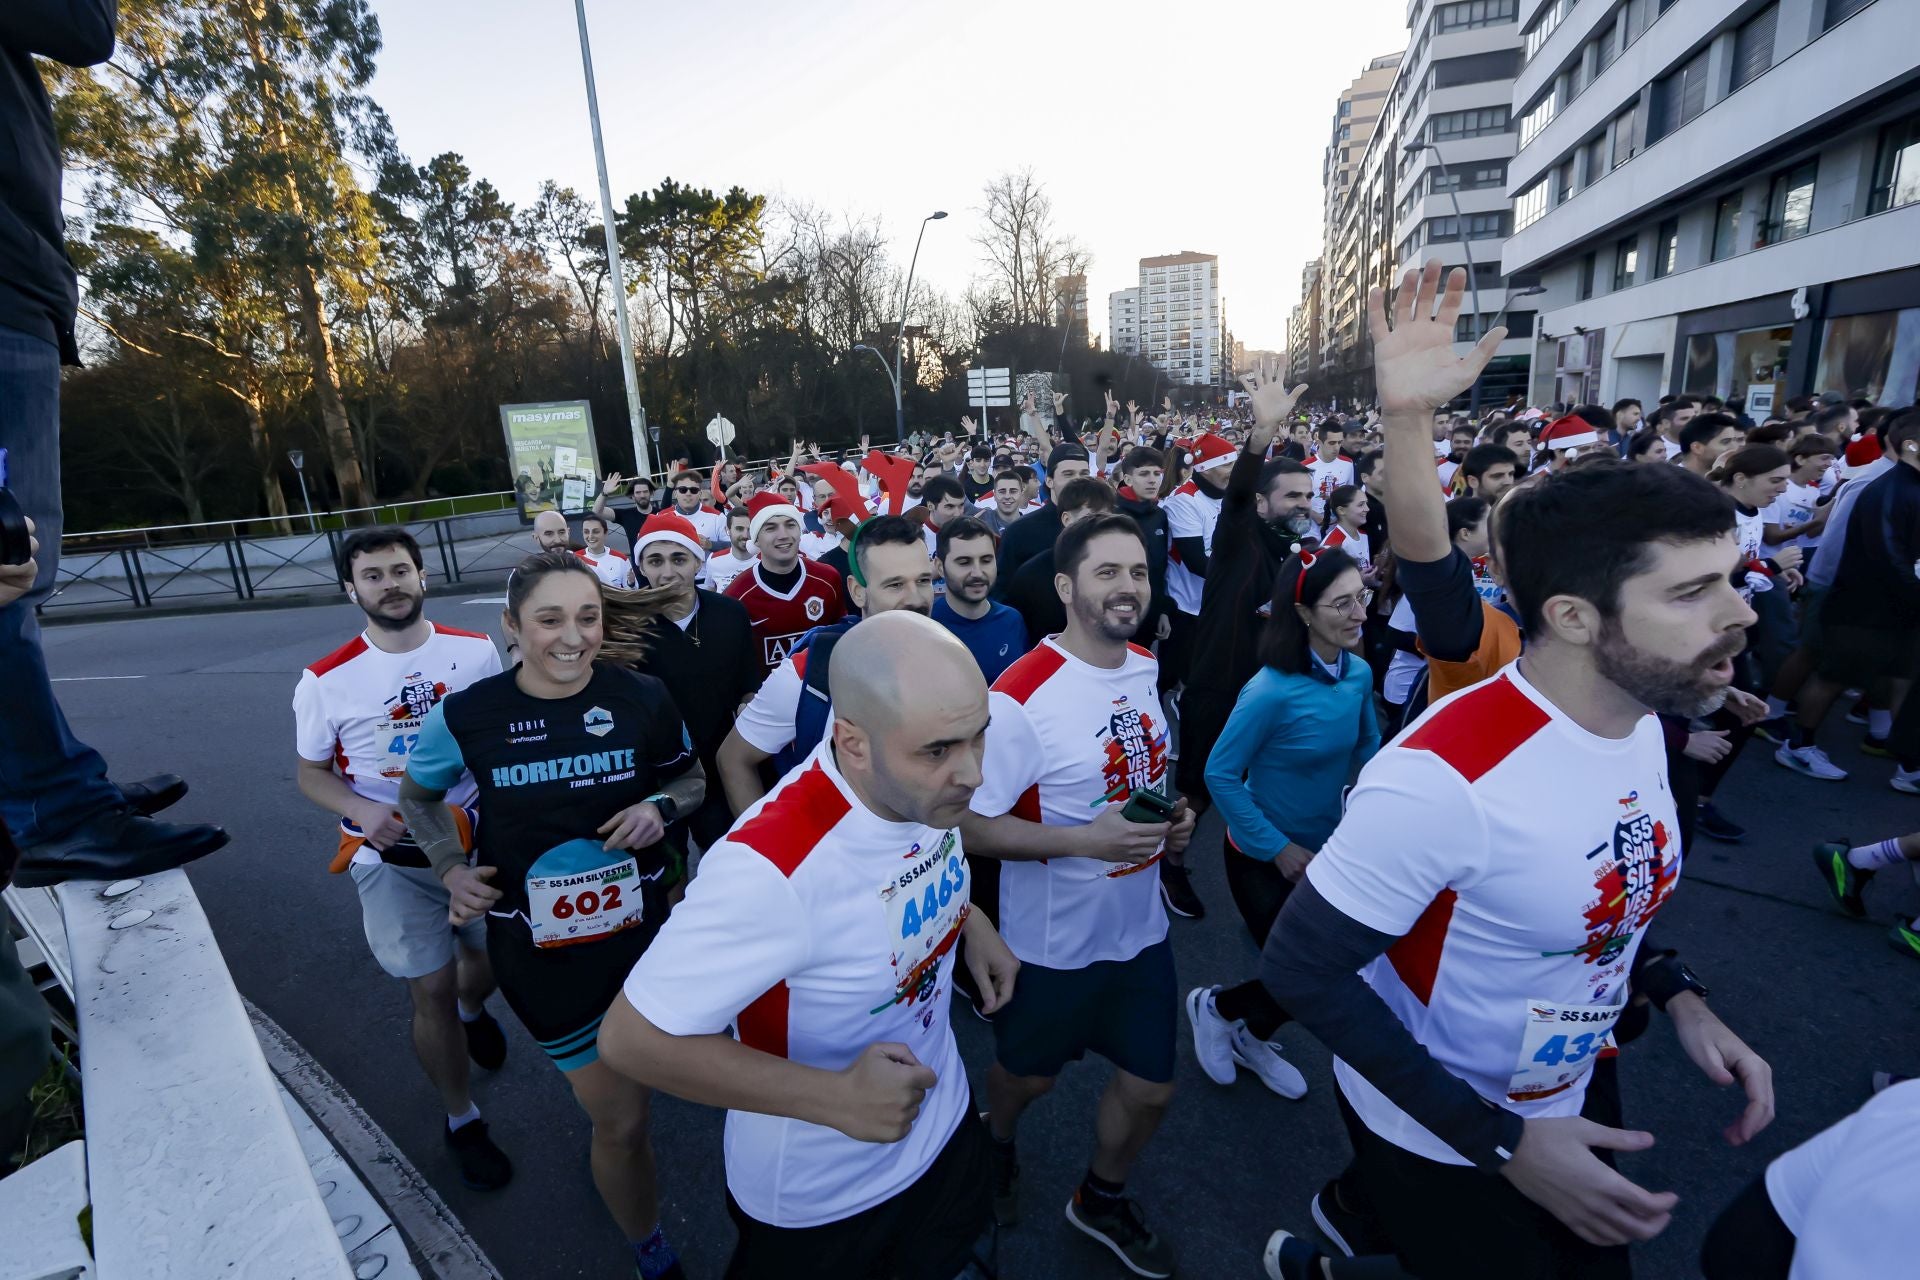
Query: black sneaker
x=1006 y=1181
x=1176 y=890
x=1715 y=825
x=1872 y=746
x=486 y=1043
x=1775 y=729
x=1352 y=1234
x=483 y=1166
x=1117 y=1224
x=1843 y=880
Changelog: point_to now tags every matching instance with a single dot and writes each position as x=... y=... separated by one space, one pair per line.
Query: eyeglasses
x=684 y=489
x=1352 y=604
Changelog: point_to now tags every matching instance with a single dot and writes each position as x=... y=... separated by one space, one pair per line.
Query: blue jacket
x=1281 y=766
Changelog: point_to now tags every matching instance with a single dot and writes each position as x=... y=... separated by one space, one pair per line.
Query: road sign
x=720 y=431
x=990 y=388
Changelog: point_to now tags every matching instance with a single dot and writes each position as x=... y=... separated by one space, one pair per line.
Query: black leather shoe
x=116 y=845
x=150 y=795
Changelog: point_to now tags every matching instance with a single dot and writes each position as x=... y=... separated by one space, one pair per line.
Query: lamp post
x=1473 y=276
x=299 y=460
x=900 y=340
x=636 y=416
x=892 y=378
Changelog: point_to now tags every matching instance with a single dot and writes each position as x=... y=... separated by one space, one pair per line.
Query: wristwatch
x=669 y=811
x=1663 y=979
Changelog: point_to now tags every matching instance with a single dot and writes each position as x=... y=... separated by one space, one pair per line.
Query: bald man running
x=822 y=931
x=550 y=532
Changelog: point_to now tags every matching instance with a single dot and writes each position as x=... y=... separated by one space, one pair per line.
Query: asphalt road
x=1821 y=996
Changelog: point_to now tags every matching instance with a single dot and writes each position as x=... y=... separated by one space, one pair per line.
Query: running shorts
x=1124 y=1010
x=560 y=994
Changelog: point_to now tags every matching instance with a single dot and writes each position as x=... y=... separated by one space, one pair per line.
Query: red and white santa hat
x=1570 y=432
x=765 y=506
x=669 y=526
x=1863 y=450
x=1211 y=451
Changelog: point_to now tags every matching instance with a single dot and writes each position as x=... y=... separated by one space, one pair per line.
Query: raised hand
x=1166 y=402
x=1271 y=400
x=1133 y=408
x=1113 y=407
x=1414 y=367
x=611 y=485
x=968 y=425
x=1059 y=402
x=1026 y=403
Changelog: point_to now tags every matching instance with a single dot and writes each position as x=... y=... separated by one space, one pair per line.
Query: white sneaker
x=1212 y=1036
x=1907 y=780
x=1262 y=1057
x=1811 y=761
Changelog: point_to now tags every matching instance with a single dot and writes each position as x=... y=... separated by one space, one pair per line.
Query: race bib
x=1559 y=1046
x=926 y=905
x=568 y=902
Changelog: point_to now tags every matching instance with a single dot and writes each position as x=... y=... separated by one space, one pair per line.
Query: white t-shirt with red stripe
x=1356 y=545
x=1518 y=858
x=1066 y=740
x=814 y=929
x=723 y=567
x=612 y=567
x=1192 y=512
x=361 y=707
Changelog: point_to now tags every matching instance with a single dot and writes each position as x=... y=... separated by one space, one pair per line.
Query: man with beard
x=1031 y=590
x=689 y=502
x=1075 y=743
x=550 y=532
x=1034 y=532
x=357 y=713
x=1265 y=513
x=790 y=714
x=994 y=633
x=1468 y=981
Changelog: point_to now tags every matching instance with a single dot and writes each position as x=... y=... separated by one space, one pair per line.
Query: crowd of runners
x=829 y=753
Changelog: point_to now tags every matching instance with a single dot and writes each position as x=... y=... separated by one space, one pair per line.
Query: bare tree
x=1024 y=253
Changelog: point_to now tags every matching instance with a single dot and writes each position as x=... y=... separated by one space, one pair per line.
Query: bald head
x=550 y=531
x=910 y=717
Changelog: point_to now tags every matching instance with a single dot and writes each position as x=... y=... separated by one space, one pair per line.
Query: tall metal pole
x=1473 y=276
x=900 y=339
x=636 y=416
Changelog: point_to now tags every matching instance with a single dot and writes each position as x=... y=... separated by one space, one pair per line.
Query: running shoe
x=1872 y=746
x=1349 y=1233
x=486 y=1043
x=1857 y=713
x=1904 y=938
x=1118 y=1225
x=1006 y=1181
x=483 y=1166
x=1288 y=1257
x=1907 y=780
x=1811 y=761
x=1715 y=825
x=1774 y=729
x=1212 y=1036
x=1176 y=890
x=1843 y=880
x=1262 y=1057
x=1886 y=1079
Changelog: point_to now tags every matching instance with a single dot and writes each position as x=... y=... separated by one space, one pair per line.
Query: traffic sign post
x=299 y=460
x=721 y=433
x=989 y=389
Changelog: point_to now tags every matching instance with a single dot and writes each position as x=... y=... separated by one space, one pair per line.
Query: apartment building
x=1304 y=328
x=1123 y=321
x=1179 y=316
x=1070 y=303
x=1720 y=197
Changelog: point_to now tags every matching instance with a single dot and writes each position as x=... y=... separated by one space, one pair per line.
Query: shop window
x=1732 y=363
x=1875 y=356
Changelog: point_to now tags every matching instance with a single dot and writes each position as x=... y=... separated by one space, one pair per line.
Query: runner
x=994 y=633
x=785 y=594
x=1467 y=981
x=1346 y=512
x=722 y=567
x=689 y=500
x=789 y=714
x=1073 y=803
x=357 y=715
x=613 y=568
x=1846 y=869
x=581 y=769
x=550 y=532
x=852 y=1146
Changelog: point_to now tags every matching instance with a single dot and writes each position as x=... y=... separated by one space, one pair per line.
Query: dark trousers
x=1259 y=890
x=50 y=781
x=1748 y=1241
x=1203 y=715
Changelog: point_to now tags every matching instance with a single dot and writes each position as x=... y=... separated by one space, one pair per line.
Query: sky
x=1192 y=125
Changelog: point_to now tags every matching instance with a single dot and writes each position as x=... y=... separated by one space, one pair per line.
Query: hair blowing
x=537 y=568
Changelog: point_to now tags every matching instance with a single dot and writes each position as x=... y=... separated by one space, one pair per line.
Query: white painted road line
x=486 y=600
x=438 y=1238
x=82 y=679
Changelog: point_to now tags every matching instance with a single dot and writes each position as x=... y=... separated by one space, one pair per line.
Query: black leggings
x=1748 y=1241
x=1259 y=890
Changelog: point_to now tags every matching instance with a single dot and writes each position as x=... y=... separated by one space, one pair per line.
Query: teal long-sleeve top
x=1282 y=763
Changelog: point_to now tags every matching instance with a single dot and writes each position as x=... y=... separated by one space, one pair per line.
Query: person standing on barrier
x=581 y=768
x=357 y=714
x=70 y=821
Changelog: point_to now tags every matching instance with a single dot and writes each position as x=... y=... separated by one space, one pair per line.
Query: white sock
x=475 y=1016
x=1872 y=857
x=1776 y=707
x=1879 y=723
x=471 y=1114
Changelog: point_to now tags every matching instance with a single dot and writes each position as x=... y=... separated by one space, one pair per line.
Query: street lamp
x=900 y=340
x=891 y=377
x=299 y=461
x=1460 y=223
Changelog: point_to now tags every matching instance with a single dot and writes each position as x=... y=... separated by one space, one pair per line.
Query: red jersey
x=779 y=620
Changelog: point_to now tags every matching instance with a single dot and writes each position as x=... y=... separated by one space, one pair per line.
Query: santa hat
x=1211 y=451
x=1570 y=432
x=1863 y=450
x=668 y=526
x=763 y=507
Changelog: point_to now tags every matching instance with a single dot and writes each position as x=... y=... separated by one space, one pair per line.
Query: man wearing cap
x=1028 y=536
x=785 y=594
x=700 y=646
x=1566 y=439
